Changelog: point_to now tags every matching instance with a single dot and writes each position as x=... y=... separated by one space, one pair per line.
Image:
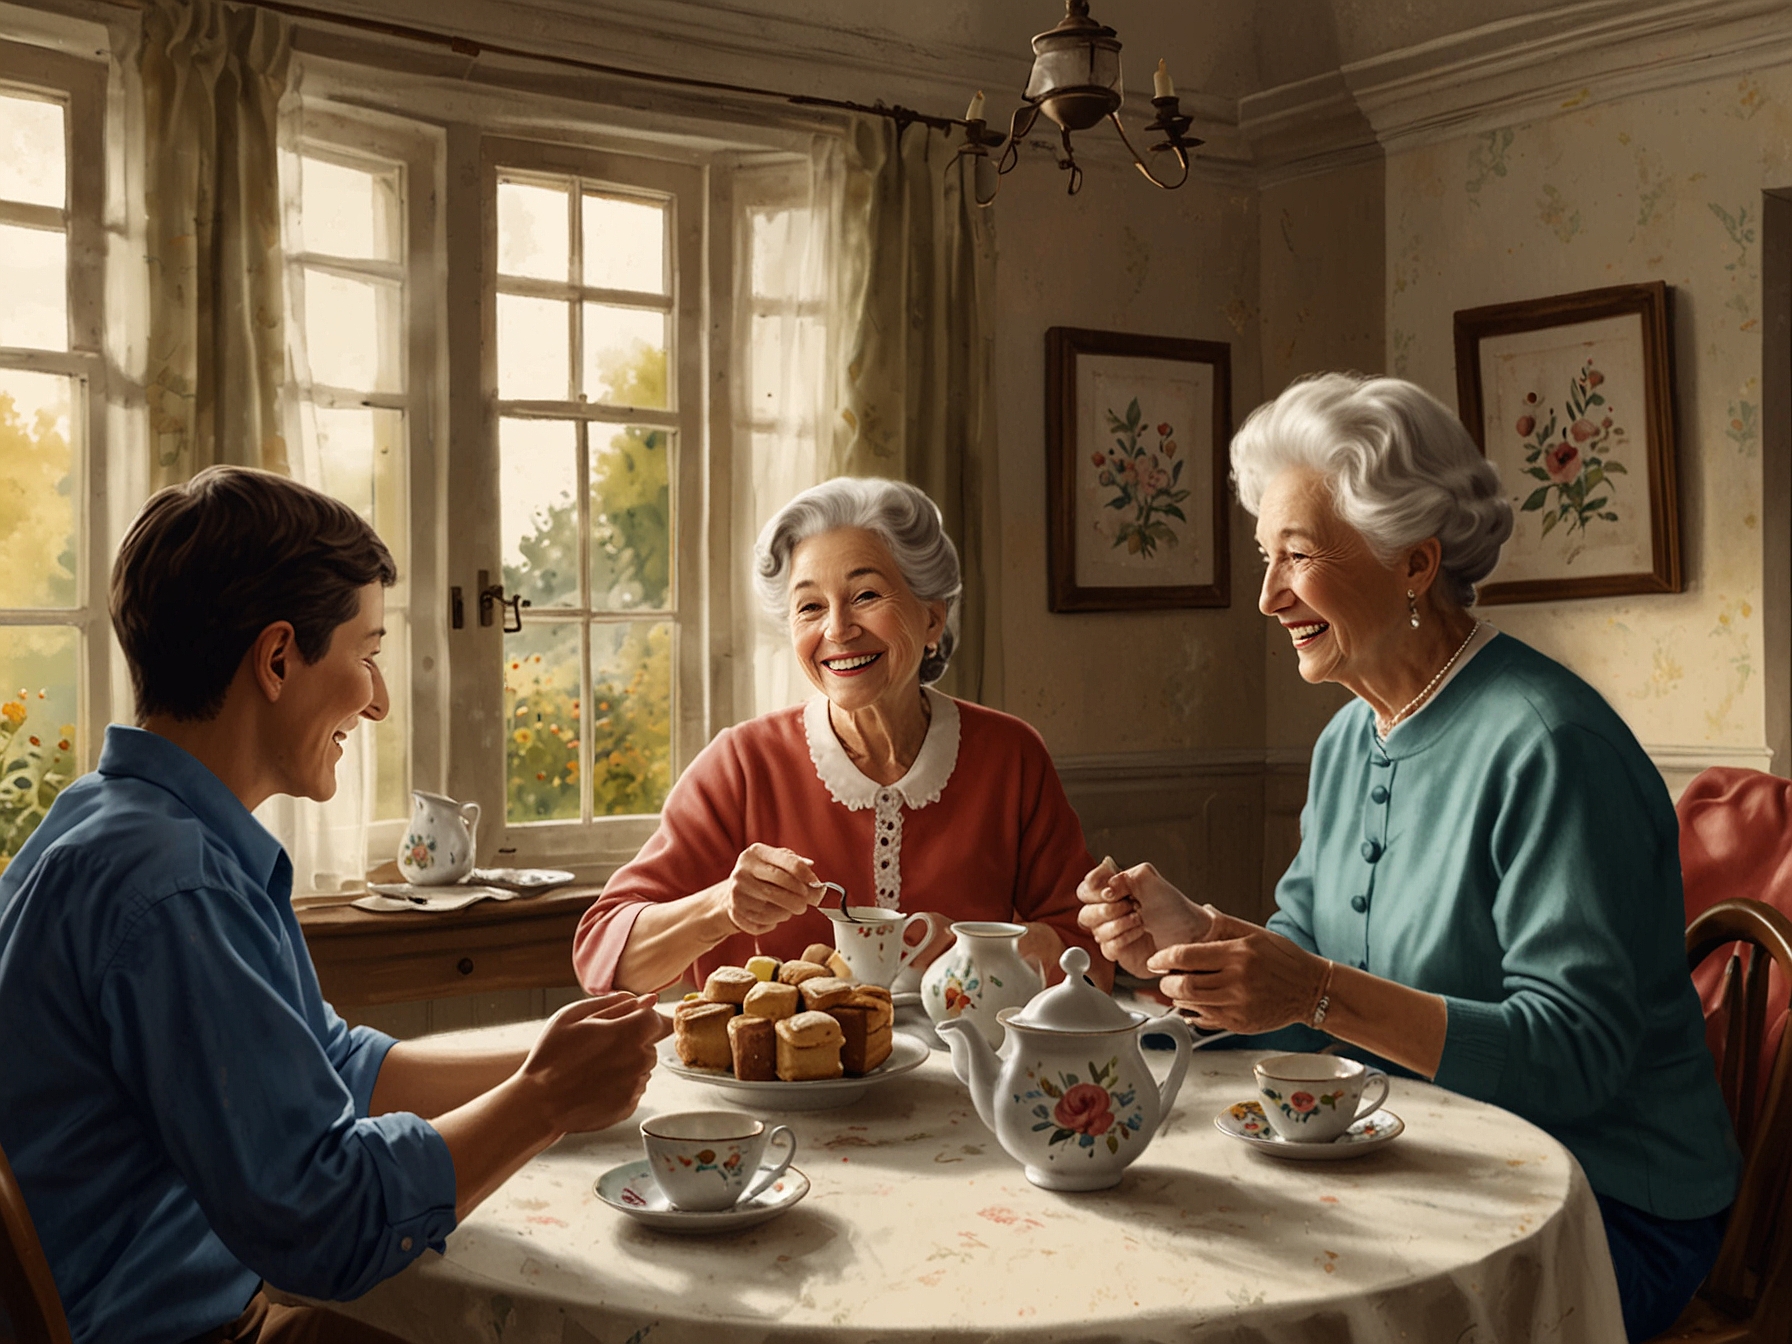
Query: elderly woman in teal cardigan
x=1487 y=892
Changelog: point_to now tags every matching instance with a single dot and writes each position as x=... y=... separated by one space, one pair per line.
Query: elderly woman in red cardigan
x=906 y=797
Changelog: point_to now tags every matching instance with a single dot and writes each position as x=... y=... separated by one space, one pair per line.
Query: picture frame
x=1136 y=431
x=1572 y=398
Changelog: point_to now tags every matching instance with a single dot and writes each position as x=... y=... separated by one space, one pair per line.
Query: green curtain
x=212 y=76
x=917 y=400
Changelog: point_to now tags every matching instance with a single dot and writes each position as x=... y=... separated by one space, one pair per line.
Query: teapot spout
x=975 y=1064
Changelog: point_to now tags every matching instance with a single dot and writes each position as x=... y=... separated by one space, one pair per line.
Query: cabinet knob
x=465 y=966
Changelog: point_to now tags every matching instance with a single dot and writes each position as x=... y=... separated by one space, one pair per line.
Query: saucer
x=631 y=1189
x=817 y=1094
x=1246 y=1123
x=522 y=881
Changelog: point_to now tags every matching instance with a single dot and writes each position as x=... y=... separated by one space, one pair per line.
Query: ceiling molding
x=1516 y=70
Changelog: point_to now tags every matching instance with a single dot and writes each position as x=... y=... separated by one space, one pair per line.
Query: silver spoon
x=845 y=909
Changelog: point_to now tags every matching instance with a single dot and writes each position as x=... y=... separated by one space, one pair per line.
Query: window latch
x=491 y=594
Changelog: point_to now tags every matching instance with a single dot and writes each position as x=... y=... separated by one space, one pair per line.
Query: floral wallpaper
x=1668 y=187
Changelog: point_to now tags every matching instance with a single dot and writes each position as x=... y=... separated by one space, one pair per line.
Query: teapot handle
x=470 y=813
x=1171 y=1025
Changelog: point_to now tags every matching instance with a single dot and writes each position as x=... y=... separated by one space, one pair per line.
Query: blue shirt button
x=1371 y=851
x=1359 y=903
x=1379 y=794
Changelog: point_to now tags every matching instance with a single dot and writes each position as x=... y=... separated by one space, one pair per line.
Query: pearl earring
x=1412 y=608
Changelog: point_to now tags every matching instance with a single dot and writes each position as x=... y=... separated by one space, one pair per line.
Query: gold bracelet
x=1325 y=994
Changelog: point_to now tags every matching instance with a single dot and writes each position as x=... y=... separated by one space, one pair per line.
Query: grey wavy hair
x=905 y=519
x=1400 y=465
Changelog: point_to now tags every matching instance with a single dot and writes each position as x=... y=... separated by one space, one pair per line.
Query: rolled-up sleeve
x=266 y=1123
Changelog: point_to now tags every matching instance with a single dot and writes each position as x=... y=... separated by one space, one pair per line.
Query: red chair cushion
x=1736 y=840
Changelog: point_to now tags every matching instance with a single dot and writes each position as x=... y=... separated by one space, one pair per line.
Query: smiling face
x=1343 y=609
x=321 y=703
x=857 y=629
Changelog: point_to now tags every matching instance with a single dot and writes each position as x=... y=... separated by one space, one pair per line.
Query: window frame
x=477 y=748
x=358 y=137
x=80 y=86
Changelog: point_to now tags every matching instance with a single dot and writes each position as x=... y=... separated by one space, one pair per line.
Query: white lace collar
x=925 y=778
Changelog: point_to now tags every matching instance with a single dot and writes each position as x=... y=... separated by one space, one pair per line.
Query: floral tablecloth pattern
x=1474 y=1227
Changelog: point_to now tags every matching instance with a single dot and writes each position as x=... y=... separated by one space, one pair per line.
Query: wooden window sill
x=366 y=958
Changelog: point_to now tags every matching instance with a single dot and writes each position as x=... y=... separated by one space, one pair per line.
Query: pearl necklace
x=1431 y=685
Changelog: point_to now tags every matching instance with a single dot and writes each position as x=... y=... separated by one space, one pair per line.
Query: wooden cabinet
x=367 y=958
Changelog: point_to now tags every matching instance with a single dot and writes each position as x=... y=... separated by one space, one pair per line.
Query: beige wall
x=1666 y=186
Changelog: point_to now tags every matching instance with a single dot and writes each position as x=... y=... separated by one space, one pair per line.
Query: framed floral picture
x=1572 y=398
x=1136 y=431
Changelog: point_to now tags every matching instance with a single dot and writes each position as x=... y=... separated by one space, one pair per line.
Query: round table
x=1472 y=1227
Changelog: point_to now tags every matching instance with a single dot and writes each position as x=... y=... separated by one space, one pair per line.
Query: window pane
x=541 y=716
x=349 y=212
x=625 y=356
x=361 y=451
x=625 y=244
x=33 y=288
x=538 y=509
x=32 y=164
x=351 y=332
x=785 y=359
x=39 y=491
x=631 y=717
x=392 y=735
x=534 y=349
x=39 y=671
x=532 y=232
x=631 y=518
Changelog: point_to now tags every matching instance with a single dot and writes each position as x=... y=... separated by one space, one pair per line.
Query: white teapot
x=1069 y=1097
x=438 y=844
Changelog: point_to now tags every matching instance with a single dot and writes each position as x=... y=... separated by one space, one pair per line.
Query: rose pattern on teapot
x=1082 y=1113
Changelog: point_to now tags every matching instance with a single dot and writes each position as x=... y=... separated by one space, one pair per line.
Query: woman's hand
x=1239 y=976
x=1134 y=912
x=767 y=887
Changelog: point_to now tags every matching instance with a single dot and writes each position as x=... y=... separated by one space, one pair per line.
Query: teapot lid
x=1073 y=1004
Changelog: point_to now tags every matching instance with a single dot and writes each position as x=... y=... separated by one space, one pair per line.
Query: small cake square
x=729 y=984
x=808 y=1047
x=867 y=1043
x=837 y=964
x=700 y=1034
x=795 y=972
x=823 y=992
x=771 y=1001
x=754 y=1042
x=763 y=968
x=818 y=953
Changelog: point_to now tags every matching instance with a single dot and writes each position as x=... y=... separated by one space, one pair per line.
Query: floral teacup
x=707 y=1161
x=1315 y=1098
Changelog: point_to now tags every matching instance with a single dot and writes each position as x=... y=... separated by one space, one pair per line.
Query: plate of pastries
x=794 y=1035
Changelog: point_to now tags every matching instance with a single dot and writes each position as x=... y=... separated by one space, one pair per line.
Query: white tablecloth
x=1473 y=1227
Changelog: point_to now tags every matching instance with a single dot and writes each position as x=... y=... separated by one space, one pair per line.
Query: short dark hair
x=210 y=564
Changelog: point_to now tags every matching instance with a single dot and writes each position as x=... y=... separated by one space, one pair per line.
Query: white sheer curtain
x=788 y=339
x=326 y=841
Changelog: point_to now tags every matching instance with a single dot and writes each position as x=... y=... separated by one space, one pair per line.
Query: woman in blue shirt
x=1487 y=891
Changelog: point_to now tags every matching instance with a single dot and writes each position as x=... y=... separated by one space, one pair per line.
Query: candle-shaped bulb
x=975 y=111
x=1160 y=82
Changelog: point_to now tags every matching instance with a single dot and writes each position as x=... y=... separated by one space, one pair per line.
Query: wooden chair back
x=27 y=1290
x=1750 y=1275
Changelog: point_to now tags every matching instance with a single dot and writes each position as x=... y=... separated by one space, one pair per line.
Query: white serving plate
x=523 y=881
x=821 y=1094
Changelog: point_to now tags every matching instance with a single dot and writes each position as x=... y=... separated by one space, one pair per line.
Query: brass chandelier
x=1076 y=83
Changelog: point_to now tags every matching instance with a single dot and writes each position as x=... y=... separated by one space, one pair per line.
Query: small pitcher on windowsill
x=438 y=844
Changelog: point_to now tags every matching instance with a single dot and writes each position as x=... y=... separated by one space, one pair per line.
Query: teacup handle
x=1368 y=1106
x=769 y=1174
x=911 y=950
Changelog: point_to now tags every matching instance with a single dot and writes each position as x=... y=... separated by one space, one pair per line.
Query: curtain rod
x=463 y=46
